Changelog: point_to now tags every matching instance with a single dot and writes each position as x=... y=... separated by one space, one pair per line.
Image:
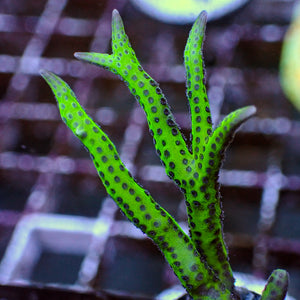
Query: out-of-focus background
x=57 y=225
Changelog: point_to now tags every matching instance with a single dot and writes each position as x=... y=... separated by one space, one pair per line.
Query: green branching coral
x=289 y=61
x=200 y=259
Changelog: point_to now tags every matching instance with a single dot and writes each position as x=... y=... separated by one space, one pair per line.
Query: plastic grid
x=55 y=215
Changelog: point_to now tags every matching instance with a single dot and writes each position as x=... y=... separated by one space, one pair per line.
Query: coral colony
x=199 y=259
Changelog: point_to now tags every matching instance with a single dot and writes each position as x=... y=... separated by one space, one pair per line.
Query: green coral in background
x=200 y=259
x=289 y=61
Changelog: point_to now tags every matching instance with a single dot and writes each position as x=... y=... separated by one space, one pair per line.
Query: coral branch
x=196 y=90
x=204 y=209
x=136 y=203
x=202 y=191
x=165 y=131
x=277 y=286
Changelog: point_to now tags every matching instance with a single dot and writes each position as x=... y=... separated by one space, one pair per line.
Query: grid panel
x=48 y=187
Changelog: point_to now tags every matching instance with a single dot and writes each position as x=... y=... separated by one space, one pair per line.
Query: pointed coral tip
x=203 y=15
x=248 y=112
x=79 y=54
x=47 y=75
x=251 y=110
x=83 y=55
x=115 y=13
x=200 y=22
x=44 y=72
x=202 y=18
x=116 y=16
x=116 y=19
